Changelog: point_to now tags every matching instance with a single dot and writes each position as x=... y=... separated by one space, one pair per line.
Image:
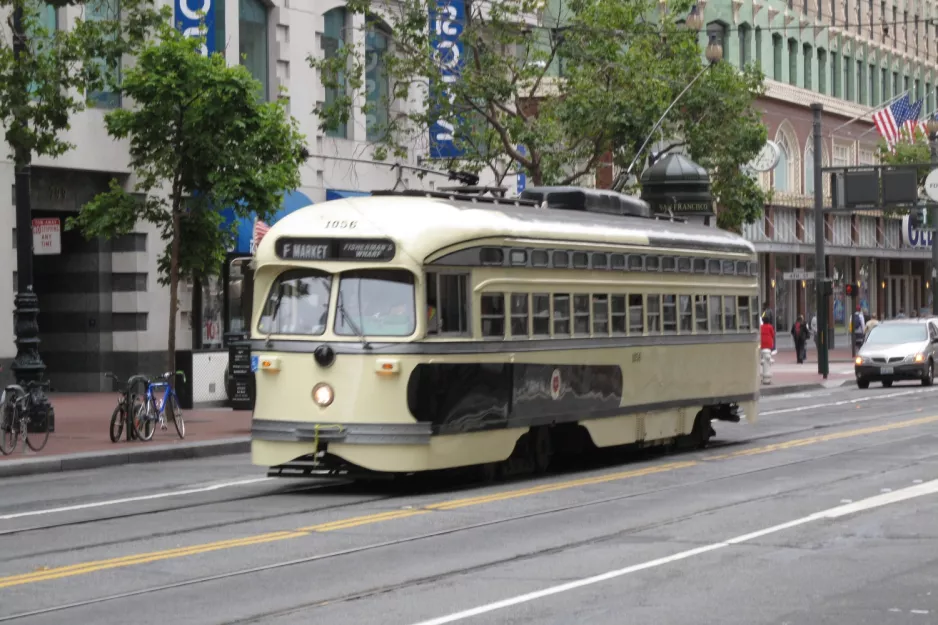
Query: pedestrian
x=768 y=317
x=873 y=322
x=767 y=343
x=801 y=334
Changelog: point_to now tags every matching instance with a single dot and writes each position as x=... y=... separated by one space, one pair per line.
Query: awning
x=244 y=235
x=338 y=194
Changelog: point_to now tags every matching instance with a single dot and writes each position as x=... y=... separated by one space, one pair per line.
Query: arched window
x=782 y=170
x=377 y=86
x=333 y=39
x=809 y=169
x=252 y=40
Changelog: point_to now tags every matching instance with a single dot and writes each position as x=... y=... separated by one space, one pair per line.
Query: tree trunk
x=173 y=296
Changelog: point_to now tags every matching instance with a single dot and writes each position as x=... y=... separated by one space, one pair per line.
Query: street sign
x=47 y=236
x=798 y=274
x=931 y=185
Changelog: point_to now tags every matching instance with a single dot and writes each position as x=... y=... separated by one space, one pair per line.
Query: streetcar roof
x=421 y=226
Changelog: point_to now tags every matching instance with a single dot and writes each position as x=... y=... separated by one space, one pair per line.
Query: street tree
x=909 y=150
x=550 y=92
x=201 y=139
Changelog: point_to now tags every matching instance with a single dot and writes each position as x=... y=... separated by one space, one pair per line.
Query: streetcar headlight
x=322 y=394
x=919 y=357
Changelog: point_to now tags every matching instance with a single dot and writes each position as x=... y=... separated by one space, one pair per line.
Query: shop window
x=377 y=85
x=519 y=314
x=669 y=313
x=685 y=313
x=561 y=315
x=252 y=41
x=601 y=315
x=742 y=303
x=493 y=315
x=447 y=303
x=729 y=313
x=653 y=313
x=240 y=295
x=333 y=40
x=703 y=318
x=540 y=316
x=581 y=314
x=635 y=314
x=618 y=315
x=716 y=313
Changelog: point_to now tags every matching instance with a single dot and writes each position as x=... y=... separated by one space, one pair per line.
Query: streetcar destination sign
x=335 y=249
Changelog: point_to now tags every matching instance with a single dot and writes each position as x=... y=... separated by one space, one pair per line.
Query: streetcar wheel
x=929 y=378
x=702 y=430
x=176 y=414
x=539 y=446
x=117 y=423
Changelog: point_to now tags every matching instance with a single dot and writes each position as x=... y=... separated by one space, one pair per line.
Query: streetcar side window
x=729 y=313
x=743 y=311
x=581 y=314
x=561 y=315
x=669 y=313
x=493 y=314
x=635 y=314
x=703 y=316
x=447 y=303
x=601 y=315
x=618 y=315
x=653 y=313
x=685 y=313
x=540 y=314
x=716 y=314
x=519 y=315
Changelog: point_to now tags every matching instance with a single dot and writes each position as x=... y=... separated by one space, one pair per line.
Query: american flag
x=891 y=119
x=260 y=229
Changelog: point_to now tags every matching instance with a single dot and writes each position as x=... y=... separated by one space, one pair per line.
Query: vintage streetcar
x=418 y=331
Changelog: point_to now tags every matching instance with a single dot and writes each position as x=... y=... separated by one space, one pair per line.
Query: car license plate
x=885 y=370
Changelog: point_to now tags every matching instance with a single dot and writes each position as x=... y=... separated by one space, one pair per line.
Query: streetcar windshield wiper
x=273 y=315
x=348 y=319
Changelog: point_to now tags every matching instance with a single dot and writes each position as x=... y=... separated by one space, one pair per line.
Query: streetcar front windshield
x=898 y=334
x=298 y=303
x=376 y=302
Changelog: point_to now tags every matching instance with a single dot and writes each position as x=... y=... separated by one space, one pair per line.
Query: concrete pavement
x=727 y=535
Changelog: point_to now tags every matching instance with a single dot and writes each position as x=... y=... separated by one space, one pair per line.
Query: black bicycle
x=17 y=418
x=130 y=409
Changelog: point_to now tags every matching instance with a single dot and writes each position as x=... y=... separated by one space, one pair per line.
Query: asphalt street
x=822 y=512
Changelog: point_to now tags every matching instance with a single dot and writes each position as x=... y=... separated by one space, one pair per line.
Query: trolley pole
x=820 y=264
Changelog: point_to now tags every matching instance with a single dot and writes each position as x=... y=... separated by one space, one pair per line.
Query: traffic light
x=852 y=289
x=918 y=217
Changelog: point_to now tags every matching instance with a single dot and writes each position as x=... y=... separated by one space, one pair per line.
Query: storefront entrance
x=903 y=295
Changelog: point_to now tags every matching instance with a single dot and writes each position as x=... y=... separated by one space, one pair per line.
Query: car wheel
x=887 y=383
x=863 y=383
x=929 y=378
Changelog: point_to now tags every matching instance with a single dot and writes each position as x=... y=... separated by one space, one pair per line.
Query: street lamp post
x=27 y=365
x=932 y=127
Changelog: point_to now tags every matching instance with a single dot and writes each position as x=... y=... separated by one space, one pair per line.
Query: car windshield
x=887 y=334
x=298 y=304
x=376 y=302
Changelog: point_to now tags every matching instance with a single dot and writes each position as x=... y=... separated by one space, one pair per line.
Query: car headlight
x=323 y=395
x=859 y=360
x=919 y=357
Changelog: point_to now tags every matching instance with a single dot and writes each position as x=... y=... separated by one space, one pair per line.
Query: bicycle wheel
x=118 y=417
x=176 y=414
x=8 y=427
x=37 y=440
x=147 y=421
x=138 y=409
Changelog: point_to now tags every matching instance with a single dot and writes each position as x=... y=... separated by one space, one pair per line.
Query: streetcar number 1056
x=346 y=225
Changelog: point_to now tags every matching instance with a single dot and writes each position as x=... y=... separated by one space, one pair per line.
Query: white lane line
x=114 y=502
x=918 y=611
x=911 y=492
x=844 y=402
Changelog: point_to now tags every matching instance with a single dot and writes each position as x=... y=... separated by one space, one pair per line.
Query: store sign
x=190 y=22
x=915 y=237
x=683 y=208
x=335 y=249
x=446 y=25
x=47 y=236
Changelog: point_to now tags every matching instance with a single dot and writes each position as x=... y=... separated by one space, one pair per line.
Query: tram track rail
x=418 y=581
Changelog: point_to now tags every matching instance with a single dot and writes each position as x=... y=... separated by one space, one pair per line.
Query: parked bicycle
x=17 y=418
x=156 y=409
x=131 y=406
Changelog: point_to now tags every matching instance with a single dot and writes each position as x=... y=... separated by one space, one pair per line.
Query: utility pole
x=820 y=263
x=933 y=219
x=27 y=365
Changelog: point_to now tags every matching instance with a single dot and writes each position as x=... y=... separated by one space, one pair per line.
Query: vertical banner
x=522 y=178
x=446 y=25
x=189 y=22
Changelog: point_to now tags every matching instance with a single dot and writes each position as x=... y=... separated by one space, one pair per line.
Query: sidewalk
x=788 y=375
x=81 y=438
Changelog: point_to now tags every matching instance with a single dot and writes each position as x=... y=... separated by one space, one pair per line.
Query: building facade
x=102 y=308
x=852 y=56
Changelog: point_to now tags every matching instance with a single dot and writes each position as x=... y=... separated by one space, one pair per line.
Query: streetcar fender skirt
x=645 y=426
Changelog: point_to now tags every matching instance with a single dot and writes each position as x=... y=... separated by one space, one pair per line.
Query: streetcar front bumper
x=348 y=433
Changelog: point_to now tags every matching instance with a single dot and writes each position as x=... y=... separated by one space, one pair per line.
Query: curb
x=97 y=459
x=769 y=391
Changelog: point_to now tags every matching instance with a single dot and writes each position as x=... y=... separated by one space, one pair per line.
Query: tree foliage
x=569 y=86
x=200 y=141
x=42 y=87
x=908 y=152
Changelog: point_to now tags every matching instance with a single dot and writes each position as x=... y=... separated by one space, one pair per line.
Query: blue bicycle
x=156 y=409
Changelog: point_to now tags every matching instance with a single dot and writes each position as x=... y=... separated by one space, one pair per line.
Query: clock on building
x=767 y=158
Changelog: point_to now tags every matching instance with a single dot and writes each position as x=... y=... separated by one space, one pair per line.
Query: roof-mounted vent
x=589 y=200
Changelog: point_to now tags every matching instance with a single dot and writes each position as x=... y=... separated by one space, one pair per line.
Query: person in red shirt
x=768 y=336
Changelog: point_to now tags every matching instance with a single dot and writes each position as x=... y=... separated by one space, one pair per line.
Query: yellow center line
x=454 y=504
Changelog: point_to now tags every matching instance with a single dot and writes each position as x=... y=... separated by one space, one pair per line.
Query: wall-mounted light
x=883 y=284
x=803 y=284
x=773 y=283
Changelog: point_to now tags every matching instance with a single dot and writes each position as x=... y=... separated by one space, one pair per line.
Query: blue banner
x=189 y=22
x=522 y=178
x=446 y=26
